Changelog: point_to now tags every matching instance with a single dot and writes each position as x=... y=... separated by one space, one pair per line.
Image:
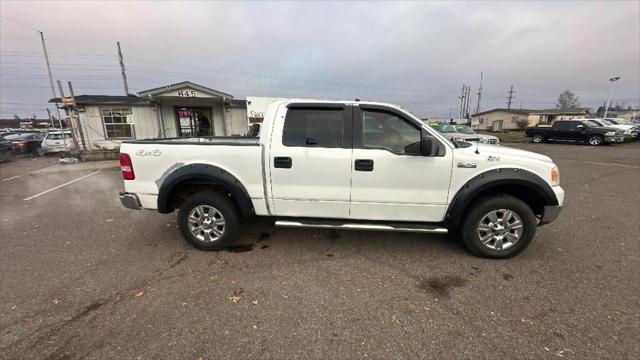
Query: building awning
x=106 y=100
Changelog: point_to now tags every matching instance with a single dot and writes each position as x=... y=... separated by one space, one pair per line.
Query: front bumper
x=130 y=200
x=550 y=214
x=614 y=139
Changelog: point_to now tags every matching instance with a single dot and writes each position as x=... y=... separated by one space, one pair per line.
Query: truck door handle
x=364 y=165
x=283 y=162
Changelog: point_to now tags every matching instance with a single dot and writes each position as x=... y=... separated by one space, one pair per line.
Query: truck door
x=389 y=180
x=310 y=160
x=565 y=131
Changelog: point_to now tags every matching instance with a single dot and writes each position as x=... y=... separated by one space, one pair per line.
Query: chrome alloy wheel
x=538 y=138
x=500 y=229
x=206 y=223
x=595 y=140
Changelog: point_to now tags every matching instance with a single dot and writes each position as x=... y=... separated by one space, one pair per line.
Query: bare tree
x=522 y=123
x=567 y=100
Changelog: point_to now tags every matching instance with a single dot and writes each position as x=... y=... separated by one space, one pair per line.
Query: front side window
x=313 y=127
x=115 y=122
x=384 y=130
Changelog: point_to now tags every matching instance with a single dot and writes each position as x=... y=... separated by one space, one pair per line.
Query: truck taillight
x=127 y=167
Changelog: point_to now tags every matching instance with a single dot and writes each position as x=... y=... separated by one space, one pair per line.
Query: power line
x=19 y=23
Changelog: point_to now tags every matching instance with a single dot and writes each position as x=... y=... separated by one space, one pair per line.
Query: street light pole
x=612 y=81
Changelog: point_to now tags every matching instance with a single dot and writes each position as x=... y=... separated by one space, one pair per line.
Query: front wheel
x=595 y=140
x=500 y=226
x=209 y=220
x=538 y=138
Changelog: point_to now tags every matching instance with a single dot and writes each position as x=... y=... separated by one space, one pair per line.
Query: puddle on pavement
x=264 y=237
x=441 y=286
x=240 y=248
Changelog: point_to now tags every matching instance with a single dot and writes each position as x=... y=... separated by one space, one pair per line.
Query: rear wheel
x=595 y=140
x=209 y=220
x=500 y=226
x=538 y=138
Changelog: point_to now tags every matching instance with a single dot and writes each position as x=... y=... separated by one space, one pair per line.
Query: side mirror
x=429 y=145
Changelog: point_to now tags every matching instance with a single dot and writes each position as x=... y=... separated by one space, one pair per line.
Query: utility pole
x=510 y=98
x=53 y=89
x=122 y=69
x=73 y=133
x=466 y=107
x=74 y=114
x=462 y=101
x=479 y=94
x=612 y=81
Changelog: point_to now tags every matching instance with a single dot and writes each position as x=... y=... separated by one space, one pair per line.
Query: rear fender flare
x=208 y=174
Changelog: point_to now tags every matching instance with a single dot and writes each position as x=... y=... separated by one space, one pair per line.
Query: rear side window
x=313 y=127
x=562 y=125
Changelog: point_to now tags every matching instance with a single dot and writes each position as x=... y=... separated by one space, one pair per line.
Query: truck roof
x=345 y=102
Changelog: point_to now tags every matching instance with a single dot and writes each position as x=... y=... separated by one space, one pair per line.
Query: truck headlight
x=484 y=140
x=555 y=177
x=610 y=133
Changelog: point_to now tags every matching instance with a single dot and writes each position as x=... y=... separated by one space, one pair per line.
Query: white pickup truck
x=345 y=165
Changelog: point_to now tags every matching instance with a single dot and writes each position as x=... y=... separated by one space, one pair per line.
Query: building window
x=481 y=120
x=115 y=123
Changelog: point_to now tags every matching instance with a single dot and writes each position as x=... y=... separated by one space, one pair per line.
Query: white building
x=178 y=110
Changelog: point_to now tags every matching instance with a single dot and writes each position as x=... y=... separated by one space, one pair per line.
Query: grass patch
x=510 y=136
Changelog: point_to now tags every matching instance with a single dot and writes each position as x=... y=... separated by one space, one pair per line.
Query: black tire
x=595 y=140
x=484 y=206
x=538 y=138
x=224 y=206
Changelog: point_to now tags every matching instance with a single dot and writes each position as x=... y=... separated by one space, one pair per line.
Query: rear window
x=313 y=127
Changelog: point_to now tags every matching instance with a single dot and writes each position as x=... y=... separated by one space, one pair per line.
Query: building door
x=496 y=126
x=194 y=121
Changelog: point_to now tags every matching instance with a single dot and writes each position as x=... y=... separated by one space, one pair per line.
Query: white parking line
x=59 y=186
x=11 y=178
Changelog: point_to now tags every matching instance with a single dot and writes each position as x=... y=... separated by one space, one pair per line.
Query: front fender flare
x=496 y=178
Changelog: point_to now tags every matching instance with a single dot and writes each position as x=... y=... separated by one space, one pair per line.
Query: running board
x=423 y=228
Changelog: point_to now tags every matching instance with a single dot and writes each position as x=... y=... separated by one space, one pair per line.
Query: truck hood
x=506 y=152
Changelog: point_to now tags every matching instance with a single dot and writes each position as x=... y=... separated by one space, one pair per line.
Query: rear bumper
x=130 y=200
x=550 y=214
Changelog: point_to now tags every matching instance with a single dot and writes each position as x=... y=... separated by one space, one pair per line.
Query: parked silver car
x=488 y=139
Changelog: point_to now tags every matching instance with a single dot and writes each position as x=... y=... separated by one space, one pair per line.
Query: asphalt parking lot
x=82 y=277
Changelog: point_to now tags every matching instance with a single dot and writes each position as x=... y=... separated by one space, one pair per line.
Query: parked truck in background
x=582 y=131
x=345 y=165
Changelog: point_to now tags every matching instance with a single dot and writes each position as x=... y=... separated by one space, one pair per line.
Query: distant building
x=507 y=119
x=27 y=123
x=178 y=110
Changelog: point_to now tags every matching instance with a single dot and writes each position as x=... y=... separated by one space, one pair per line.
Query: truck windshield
x=444 y=128
x=590 y=123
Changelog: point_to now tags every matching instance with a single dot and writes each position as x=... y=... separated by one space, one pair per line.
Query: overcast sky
x=417 y=54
